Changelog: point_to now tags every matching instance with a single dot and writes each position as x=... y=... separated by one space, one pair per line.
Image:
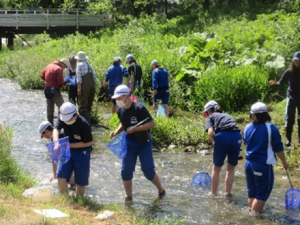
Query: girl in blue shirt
x=262 y=140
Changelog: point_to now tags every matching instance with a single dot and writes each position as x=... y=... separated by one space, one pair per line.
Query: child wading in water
x=225 y=135
x=262 y=140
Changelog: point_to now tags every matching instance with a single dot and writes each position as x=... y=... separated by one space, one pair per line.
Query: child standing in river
x=225 y=135
x=262 y=140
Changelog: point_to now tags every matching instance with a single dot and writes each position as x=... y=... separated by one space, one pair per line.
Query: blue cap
x=296 y=56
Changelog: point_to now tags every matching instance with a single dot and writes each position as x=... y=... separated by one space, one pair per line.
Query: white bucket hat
x=154 y=63
x=43 y=126
x=81 y=56
x=66 y=62
x=120 y=91
x=258 y=107
x=67 y=110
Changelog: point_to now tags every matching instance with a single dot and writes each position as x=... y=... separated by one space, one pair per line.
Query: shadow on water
x=24 y=110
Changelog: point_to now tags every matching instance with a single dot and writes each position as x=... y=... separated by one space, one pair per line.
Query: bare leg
x=63 y=186
x=167 y=111
x=128 y=187
x=155 y=107
x=229 y=178
x=114 y=108
x=71 y=181
x=257 y=205
x=250 y=202
x=157 y=184
x=215 y=177
x=80 y=190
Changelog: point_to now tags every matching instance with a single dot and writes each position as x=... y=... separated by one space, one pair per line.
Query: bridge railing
x=52 y=18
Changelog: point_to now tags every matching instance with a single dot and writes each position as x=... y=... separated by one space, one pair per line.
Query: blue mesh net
x=292 y=198
x=119 y=145
x=62 y=154
x=161 y=110
x=202 y=180
x=71 y=81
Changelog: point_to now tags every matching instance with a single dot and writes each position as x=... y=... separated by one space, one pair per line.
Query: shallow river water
x=24 y=110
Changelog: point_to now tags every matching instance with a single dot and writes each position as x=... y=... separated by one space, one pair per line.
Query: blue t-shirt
x=115 y=74
x=256 y=140
x=221 y=122
x=80 y=131
x=160 y=78
x=132 y=116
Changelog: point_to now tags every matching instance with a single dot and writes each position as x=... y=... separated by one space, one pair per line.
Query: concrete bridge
x=51 y=21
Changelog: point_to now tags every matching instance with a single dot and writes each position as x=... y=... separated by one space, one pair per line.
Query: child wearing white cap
x=138 y=140
x=262 y=140
x=225 y=135
x=79 y=132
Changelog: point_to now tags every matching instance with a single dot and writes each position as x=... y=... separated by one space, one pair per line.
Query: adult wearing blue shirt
x=114 y=76
x=225 y=135
x=77 y=128
x=262 y=140
x=292 y=75
x=160 y=85
x=138 y=139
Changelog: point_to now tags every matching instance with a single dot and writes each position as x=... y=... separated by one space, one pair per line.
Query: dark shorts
x=79 y=163
x=227 y=143
x=260 y=180
x=111 y=93
x=163 y=95
x=144 y=152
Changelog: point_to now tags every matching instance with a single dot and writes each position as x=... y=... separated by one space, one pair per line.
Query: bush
x=11 y=173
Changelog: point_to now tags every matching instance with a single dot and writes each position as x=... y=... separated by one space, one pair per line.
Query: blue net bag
x=161 y=110
x=62 y=154
x=118 y=145
x=201 y=180
x=71 y=81
x=292 y=198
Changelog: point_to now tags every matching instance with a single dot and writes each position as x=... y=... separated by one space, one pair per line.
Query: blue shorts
x=227 y=143
x=144 y=152
x=260 y=180
x=79 y=163
x=163 y=95
x=111 y=93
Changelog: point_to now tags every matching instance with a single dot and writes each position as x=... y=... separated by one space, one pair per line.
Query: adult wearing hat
x=292 y=76
x=115 y=76
x=139 y=142
x=71 y=80
x=86 y=85
x=226 y=138
x=135 y=73
x=262 y=140
x=160 y=85
x=54 y=80
x=79 y=132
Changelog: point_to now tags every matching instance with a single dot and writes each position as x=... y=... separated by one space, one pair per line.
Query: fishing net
x=292 y=198
x=161 y=110
x=201 y=180
x=71 y=81
x=119 y=145
x=62 y=154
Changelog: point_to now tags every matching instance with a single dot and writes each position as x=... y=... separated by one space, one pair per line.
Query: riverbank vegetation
x=221 y=50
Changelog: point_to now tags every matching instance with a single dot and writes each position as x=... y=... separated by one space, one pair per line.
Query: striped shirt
x=82 y=69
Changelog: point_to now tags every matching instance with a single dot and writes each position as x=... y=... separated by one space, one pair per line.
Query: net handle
x=289 y=178
x=143 y=121
x=209 y=166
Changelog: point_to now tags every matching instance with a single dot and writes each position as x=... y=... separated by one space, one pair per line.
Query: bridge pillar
x=10 y=40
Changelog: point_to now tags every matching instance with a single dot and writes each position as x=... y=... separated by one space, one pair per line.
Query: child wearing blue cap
x=225 y=135
x=262 y=140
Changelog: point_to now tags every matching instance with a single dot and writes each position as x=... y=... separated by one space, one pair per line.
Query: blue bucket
x=201 y=180
x=62 y=154
x=118 y=145
x=292 y=198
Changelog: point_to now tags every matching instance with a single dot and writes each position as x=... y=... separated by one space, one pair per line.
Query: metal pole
x=47 y=19
x=17 y=20
x=77 y=19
